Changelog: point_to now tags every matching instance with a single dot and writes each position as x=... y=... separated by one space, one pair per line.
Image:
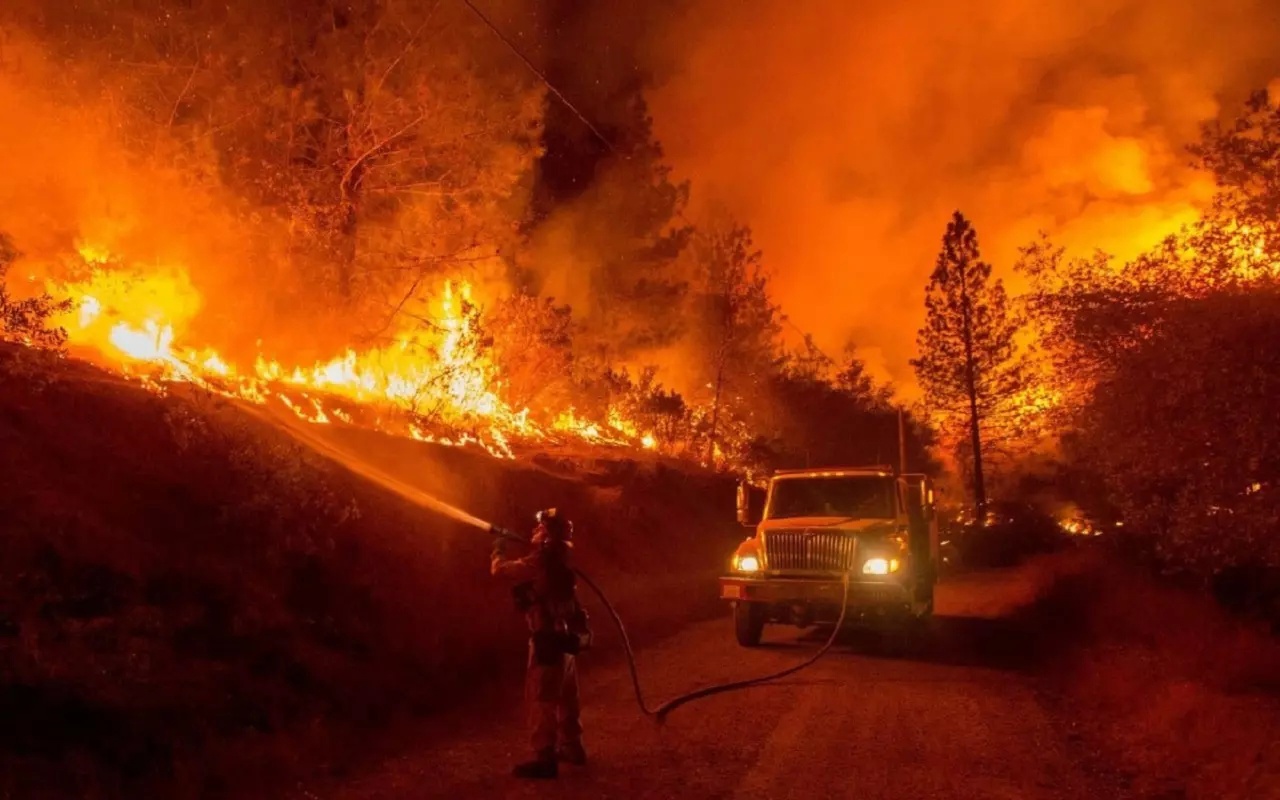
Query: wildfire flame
x=437 y=381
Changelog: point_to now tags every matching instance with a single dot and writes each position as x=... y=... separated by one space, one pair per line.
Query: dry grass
x=1183 y=700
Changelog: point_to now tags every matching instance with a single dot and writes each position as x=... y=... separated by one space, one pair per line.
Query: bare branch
x=173 y=115
x=408 y=48
x=398 y=307
x=378 y=148
x=418 y=264
x=217 y=128
x=410 y=191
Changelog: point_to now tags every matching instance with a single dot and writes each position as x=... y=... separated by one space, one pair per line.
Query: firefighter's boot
x=572 y=753
x=542 y=767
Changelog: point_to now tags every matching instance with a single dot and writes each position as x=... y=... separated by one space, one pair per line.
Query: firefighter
x=557 y=631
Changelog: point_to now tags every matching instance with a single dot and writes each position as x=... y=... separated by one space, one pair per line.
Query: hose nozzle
x=503 y=533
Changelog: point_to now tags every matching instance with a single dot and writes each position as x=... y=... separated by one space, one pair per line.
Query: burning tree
x=390 y=124
x=854 y=380
x=1164 y=363
x=1182 y=429
x=1238 y=240
x=269 y=182
x=968 y=365
x=371 y=146
x=533 y=344
x=619 y=221
x=27 y=321
x=737 y=323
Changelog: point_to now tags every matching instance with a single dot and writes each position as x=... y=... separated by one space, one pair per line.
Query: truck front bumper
x=812 y=591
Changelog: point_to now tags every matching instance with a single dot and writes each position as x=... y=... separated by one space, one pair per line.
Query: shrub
x=27 y=321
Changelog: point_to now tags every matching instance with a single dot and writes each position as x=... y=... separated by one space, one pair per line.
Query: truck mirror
x=750 y=505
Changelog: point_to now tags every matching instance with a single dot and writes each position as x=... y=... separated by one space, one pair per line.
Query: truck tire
x=748 y=623
x=925 y=584
x=922 y=611
x=911 y=633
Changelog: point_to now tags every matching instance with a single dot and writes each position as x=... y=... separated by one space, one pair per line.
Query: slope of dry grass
x=191 y=603
x=1179 y=699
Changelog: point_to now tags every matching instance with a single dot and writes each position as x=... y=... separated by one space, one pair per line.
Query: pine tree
x=737 y=321
x=968 y=366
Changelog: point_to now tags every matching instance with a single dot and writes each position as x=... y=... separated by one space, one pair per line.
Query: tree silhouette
x=968 y=366
x=736 y=321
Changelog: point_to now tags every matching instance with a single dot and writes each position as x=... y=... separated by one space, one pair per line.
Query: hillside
x=188 y=594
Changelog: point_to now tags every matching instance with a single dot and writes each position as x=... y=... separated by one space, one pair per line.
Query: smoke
x=845 y=134
x=72 y=185
x=166 y=138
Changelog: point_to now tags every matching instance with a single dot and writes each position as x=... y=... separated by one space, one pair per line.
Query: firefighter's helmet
x=553 y=526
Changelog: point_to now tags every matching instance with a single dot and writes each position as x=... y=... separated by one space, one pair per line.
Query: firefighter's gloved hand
x=499 y=548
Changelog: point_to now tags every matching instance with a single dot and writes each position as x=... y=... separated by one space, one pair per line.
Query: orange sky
x=846 y=133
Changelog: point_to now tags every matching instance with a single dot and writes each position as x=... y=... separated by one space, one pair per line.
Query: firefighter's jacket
x=547 y=582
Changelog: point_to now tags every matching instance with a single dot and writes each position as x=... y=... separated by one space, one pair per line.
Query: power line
x=545 y=81
x=808 y=338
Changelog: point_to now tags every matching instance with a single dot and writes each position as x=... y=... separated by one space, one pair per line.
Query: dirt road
x=960 y=719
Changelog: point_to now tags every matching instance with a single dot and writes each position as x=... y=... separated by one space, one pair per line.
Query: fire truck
x=814 y=527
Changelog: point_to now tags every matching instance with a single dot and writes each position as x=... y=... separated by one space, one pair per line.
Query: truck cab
x=812 y=528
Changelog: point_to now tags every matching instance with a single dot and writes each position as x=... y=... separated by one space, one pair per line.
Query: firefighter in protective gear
x=546 y=593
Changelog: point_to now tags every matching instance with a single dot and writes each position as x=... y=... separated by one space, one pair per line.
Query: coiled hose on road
x=662 y=710
x=660 y=713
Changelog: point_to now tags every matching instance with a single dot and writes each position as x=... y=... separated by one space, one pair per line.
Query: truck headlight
x=746 y=563
x=880 y=566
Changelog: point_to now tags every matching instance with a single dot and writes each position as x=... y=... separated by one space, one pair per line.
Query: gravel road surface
x=958 y=718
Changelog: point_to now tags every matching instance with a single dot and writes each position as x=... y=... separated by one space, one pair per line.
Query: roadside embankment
x=190 y=600
x=1160 y=687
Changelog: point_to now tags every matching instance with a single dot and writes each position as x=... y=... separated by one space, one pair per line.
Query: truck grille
x=816 y=551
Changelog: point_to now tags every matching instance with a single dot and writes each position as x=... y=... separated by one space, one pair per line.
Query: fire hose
x=661 y=711
x=426 y=500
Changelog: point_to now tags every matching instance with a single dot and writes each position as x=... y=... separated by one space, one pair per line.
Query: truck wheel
x=911 y=633
x=922 y=612
x=748 y=623
x=925 y=588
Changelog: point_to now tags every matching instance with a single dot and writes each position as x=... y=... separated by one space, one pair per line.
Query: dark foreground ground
x=1004 y=700
x=960 y=719
x=193 y=605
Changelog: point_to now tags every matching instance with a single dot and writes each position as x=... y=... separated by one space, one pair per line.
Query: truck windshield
x=854 y=497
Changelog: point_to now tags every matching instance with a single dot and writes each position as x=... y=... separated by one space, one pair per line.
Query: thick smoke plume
x=846 y=133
